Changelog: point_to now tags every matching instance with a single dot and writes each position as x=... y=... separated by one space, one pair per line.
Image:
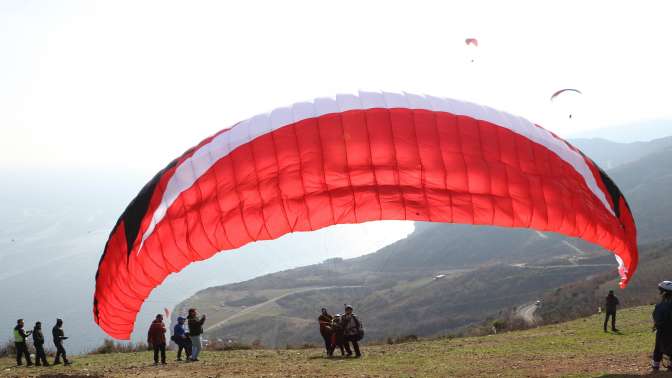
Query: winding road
x=527 y=313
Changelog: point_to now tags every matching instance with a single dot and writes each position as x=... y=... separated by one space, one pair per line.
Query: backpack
x=360 y=329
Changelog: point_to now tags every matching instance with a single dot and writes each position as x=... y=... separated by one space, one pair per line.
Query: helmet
x=665 y=286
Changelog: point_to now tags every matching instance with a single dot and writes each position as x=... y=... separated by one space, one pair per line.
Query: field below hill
x=578 y=349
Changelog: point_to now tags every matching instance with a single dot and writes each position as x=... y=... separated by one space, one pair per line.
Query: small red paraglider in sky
x=472 y=43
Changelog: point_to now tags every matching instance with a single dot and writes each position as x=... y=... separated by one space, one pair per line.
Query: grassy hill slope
x=578 y=348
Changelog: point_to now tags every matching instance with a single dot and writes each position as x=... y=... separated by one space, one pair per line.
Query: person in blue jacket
x=182 y=339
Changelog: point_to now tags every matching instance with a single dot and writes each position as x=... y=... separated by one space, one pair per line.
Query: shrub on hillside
x=402 y=339
x=222 y=345
x=7 y=349
x=301 y=346
x=111 y=346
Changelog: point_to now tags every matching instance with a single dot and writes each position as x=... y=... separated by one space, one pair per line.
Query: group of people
x=186 y=334
x=21 y=346
x=338 y=331
x=341 y=330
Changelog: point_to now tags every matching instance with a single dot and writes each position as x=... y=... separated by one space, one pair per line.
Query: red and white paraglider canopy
x=352 y=159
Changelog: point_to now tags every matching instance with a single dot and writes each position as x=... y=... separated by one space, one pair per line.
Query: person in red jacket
x=156 y=337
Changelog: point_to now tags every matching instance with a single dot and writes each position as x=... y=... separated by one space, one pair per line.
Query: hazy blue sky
x=134 y=83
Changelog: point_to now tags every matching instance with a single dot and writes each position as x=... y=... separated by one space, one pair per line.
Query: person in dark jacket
x=351 y=329
x=662 y=324
x=38 y=342
x=325 y=330
x=181 y=338
x=610 y=304
x=59 y=337
x=156 y=337
x=20 y=336
x=195 y=331
x=337 y=336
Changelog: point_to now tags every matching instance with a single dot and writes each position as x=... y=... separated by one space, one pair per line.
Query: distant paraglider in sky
x=352 y=159
x=472 y=43
x=561 y=91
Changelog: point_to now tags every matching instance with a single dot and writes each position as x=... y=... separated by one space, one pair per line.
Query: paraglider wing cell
x=352 y=159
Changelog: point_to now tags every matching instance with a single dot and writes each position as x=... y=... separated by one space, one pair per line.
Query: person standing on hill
x=662 y=324
x=38 y=342
x=337 y=336
x=325 y=330
x=195 y=332
x=181 y=338
x=59 y=337
x=20 y=336
x=610 y=304
x=352 y=328
x=156 y=337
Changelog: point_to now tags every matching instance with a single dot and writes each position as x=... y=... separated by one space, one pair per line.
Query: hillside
x=647 y=184
x=584 y=297
x=395 y=289
x=578 y=349
x=609 y=154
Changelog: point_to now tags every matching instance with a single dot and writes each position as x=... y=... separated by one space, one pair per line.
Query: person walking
x=353 y=331
x=156 y=337
x=610 y=304
x=662 y=324
x=59 y=336
x=195 y=331
x=38 y=343
x=325 y=330
x=20 y=336
x=181 y=338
